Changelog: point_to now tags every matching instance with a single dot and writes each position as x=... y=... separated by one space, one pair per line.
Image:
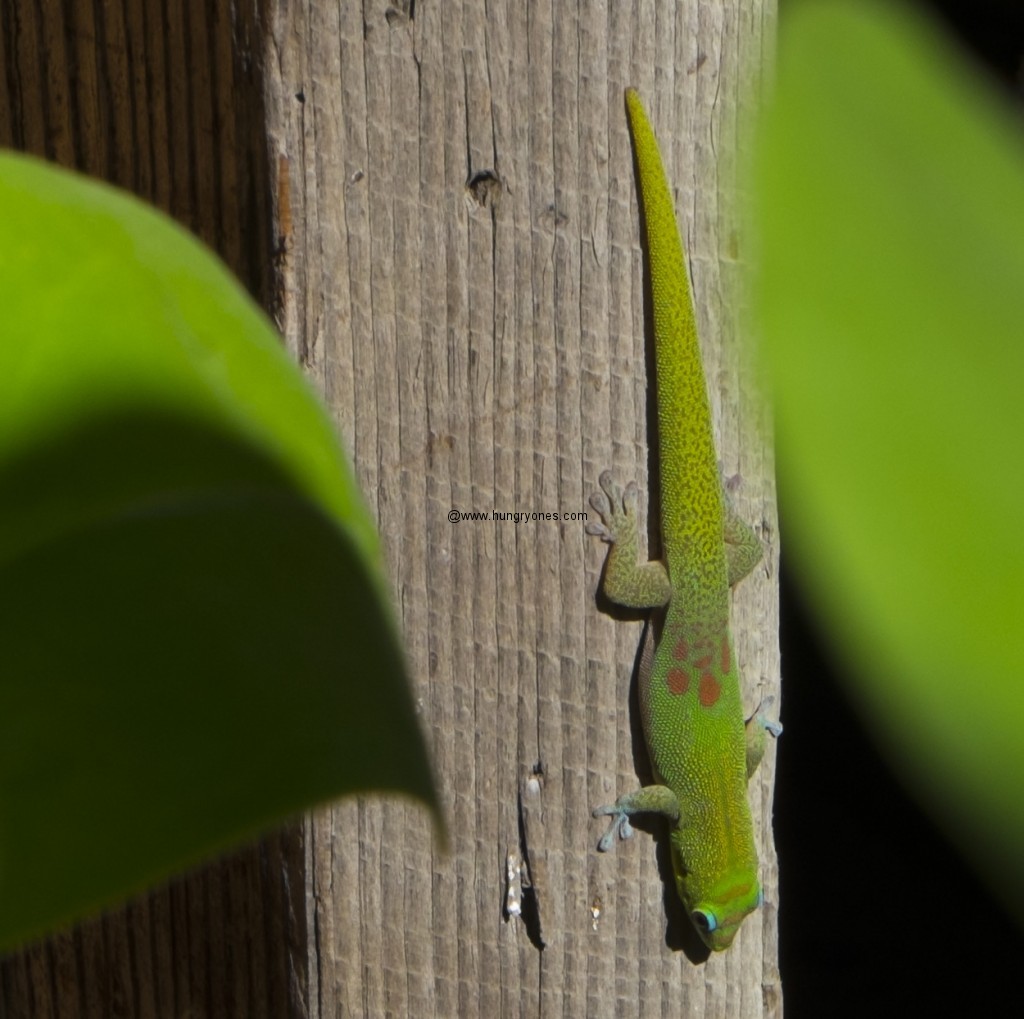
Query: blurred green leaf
x=195 y=633
x=891 y=218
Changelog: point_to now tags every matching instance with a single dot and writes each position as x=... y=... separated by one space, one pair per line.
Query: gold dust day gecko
x=701 y=750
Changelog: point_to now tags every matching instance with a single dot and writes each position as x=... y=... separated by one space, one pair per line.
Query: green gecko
x=701 y=750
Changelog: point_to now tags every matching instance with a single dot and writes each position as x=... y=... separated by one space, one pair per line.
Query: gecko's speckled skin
x=689 y=684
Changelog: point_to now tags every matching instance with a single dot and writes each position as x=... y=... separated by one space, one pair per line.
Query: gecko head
x=717 y=912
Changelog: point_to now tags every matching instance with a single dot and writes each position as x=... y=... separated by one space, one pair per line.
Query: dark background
x=879 y=914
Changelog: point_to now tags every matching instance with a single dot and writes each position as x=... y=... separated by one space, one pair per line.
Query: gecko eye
x=704 y=920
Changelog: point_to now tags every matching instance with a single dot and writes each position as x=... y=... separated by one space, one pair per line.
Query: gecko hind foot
x=616 y=507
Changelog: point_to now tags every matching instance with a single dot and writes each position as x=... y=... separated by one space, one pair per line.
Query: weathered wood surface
x=437 y=202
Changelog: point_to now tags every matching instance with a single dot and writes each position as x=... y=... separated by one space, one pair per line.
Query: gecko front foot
x=757 y=726
x=617 y=509
x=762 y=718
x=652 y=799
x=620 y=825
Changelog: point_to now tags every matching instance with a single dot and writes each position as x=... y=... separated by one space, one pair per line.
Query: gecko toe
x=630 y=498
x=599 y=502
x=611 y=487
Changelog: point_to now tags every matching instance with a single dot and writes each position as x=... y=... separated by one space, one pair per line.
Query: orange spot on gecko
x=726 y=660
x=681 y=651
x=710 y=690
x=703 y=663
x=678 y=681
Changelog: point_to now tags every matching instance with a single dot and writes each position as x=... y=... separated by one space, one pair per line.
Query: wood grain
x=466 y=244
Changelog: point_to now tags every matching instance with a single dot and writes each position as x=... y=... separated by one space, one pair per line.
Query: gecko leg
x=758 y=728
x=626 y=582
x=743 y=548
x=652 y=799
